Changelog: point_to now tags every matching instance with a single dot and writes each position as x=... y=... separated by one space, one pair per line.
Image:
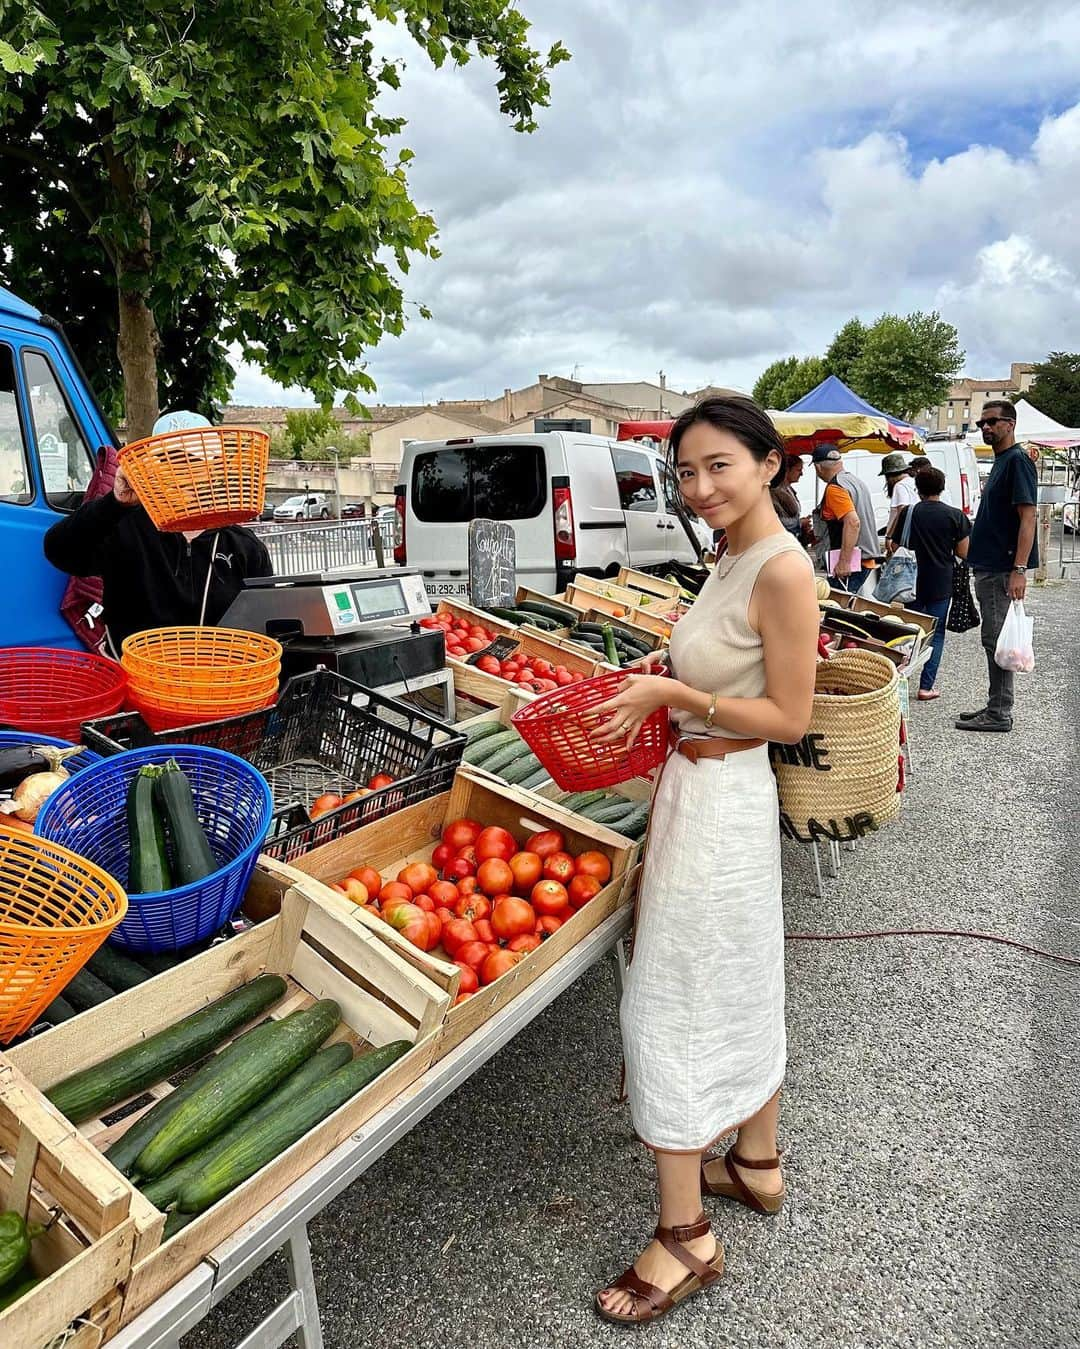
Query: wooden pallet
x=412 y=835
x=382 y=997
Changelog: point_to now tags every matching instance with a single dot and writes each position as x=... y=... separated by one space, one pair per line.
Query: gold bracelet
x=712 y=710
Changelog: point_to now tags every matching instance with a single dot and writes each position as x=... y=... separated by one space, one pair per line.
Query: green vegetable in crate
x=148 y=859
x=10 y=1295
x=85 y=990
x=58 y=1010
x=87 y=1093
x=164 y=1190
x=117 y=970
x=481 y=730
x=272 y=1136
x=175 y=1221
x=192 y=858
x=476 y=752
x=252 y=1074
x=15 y=1238
x=18 y=762
x=549 y=611
x=609 y=644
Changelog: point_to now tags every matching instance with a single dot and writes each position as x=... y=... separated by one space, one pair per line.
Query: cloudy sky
x=714 y=186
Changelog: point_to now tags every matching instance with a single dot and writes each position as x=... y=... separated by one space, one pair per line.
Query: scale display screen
x=386 y=600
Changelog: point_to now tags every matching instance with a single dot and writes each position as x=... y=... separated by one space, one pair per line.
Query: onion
x=32 y=793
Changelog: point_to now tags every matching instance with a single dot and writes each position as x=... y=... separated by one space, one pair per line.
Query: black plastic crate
x=324 y=734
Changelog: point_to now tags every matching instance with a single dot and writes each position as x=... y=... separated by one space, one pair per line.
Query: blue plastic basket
x=75 y=764
x=234 y=807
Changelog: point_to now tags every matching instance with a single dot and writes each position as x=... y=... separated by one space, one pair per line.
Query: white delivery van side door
x=678 y=542
x=647 y=530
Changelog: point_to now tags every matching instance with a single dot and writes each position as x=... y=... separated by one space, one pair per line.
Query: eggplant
x=19 y=761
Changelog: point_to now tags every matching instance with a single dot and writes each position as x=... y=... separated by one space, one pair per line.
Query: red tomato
x=496 y=842
x=497 y=964
x=446 y=915
x=547 y=925
x=581 y=889
x=321 y=804
x=543 y=668
x=478 y=630
x=460 y=833
x=559 y=866
x=418 y=876
x=468 y=983
x=442 y=854
x=495 y=876
x=468 y=854
x=550 y=899
x=593 y=864
x=444 y=892
x=511 y=917
x=425 y=902
x=412 y=923
x=333 y=884
x=379 y=781
x=489 y=665
x=528 y=868
x=462 y=997
x=473 y=907
x=456 y=934
x=546 y=842
x=474 y=644
x=528 y=941
x=467 y=885
x=459 y=869
x=355 y=890
x=368 y=876
x=395 y=890
x=473 y=953
x=485 y=931
x=430 y=622
x=544 y=685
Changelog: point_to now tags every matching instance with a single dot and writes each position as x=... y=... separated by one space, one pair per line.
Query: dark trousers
x=853 y=581
x=938 y=611
x=992 y=594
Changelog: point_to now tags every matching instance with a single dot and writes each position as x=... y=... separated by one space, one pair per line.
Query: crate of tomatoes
x=482 y=889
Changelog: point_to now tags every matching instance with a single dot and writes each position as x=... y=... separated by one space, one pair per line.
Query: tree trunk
x=137 y=347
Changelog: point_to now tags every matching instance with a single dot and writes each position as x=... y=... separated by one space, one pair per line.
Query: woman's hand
x=647 y=664
x=123 y=490
x=638 y=697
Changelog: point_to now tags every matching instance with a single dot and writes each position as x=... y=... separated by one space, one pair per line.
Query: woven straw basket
x=840 y=782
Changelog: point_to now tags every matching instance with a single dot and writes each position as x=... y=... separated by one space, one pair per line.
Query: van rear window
x=454 y=486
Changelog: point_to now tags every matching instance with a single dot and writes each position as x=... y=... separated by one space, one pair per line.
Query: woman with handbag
x=937 y=534
x=703 y=1012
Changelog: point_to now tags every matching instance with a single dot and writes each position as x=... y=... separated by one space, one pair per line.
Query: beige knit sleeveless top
x=713 y=647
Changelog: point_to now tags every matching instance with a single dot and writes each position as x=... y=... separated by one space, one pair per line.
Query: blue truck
x=51 y=430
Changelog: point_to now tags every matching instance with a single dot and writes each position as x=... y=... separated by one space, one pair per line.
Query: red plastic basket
x=558 y=727
x=54 y=691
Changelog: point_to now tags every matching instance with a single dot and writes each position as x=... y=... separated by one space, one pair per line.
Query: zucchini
x=613 y=815
x=635 y=824
x=523 y=767
x=86 y=990
x=504 y=757
x=163 y=1191
x=252 y=1074
x=175 y=1221
x=591 y=809
x=610 y=650
x=542 y=622
x=148 y=860
x=242 y=1158
x=490 y=745
x=85 y=1094
x=10 y=1295
x=575 y=800
x=508 y=615
x=535 y=608
x=192 y=856
x=58 y=1010
x=481 y=730
x=158 y=962
x=120 y=972
x=537 y=779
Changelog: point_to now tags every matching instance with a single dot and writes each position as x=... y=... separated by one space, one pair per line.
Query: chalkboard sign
x=492 y=564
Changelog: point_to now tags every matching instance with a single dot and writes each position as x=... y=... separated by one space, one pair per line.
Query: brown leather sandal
x=651 y=1302
x=737 y=1189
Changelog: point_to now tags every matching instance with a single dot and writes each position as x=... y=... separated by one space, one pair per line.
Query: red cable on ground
x=930 y=932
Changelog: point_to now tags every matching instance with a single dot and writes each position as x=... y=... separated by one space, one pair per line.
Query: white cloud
x=714 y=187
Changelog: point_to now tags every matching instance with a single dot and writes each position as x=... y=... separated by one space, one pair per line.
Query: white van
x=577 y=503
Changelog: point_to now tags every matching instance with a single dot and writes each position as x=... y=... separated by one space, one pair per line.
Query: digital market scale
x=361 y=624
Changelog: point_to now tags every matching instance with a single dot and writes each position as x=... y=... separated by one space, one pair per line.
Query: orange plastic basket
x=199 y=479
x=166 y=715
x=224 y=689
x=55 y=911
x=198 y=654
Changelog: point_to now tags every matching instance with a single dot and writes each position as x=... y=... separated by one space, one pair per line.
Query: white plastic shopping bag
x=1014 y=649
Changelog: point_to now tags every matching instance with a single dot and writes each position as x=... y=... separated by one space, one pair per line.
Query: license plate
x=447 y=588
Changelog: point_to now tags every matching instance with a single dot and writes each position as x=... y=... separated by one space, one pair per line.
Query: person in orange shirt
x=848 y=511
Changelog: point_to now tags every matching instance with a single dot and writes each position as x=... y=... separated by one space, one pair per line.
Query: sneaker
x=984 y=722
x=974 y=716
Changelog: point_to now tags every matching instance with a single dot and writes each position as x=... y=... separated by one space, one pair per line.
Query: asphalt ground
x=930 y=1123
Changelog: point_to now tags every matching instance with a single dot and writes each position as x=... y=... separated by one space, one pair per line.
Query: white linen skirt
x=703 y=1012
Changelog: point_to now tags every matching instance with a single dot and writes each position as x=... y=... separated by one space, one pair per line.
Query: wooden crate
x=471 y=615
x=54 y=1177
x=636 y=629
x=642 y=617
x=382 y=997
x=412 y=835
x=571 y=612
x=844 y=599
x=583 y=587
x=502 y=710
x=651 y=585
x=473 y=683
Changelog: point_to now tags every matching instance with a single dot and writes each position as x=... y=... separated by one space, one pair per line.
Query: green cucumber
x=634 y=824
x=175 y=1221
x=252 y=1075
x=87 y=1093
x=158 y=962
x=504 y=757
x=192 y=856
x=613 y=815
x=593 y=807
x=267 y=1140
x=148 y=860
x=508 y=615
x=58 y=1010
x=575 y=800
x=534 y=607
x=524 y=767
x=490 y=745
x=85 y=990
x=610 y=649
x=163 y=1191
x=10 y=1295
x=542 y=622
x=480 y=730
x=120 y=972
x=537 y=779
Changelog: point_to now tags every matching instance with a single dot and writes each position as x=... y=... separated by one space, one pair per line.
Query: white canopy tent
x=1035 y=428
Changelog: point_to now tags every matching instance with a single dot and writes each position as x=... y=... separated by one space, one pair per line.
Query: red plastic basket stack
x=53 y=691
x=559 y=728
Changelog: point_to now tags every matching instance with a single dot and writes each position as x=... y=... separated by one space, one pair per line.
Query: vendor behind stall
x=150 y=578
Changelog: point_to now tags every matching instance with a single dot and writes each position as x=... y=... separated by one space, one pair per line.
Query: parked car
x=577 y=503
x=308 y=506
x=353 y=510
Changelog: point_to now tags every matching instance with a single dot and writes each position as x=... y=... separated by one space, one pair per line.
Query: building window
x=950 y=412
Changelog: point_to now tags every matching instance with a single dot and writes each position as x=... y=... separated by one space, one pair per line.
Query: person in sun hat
x=899 y=483
x=153 y=578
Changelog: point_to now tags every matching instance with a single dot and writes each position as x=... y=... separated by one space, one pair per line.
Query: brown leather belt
x=709 y=746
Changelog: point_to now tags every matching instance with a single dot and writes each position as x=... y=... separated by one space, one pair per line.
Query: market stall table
x=282 y=1224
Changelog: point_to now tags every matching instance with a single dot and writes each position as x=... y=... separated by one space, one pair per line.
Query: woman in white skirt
x=703 y=1013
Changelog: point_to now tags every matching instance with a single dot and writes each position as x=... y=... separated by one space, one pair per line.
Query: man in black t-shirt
x=1003 y=547
x=938 y=534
